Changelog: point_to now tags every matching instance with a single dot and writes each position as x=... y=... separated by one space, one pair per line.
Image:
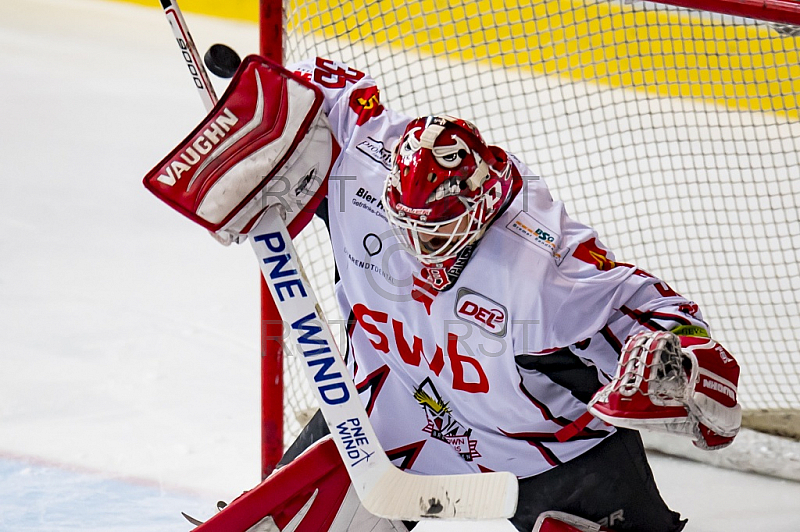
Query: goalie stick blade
x=399 y=495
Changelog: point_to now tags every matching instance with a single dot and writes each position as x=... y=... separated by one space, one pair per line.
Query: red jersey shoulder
x=333 y=75
x=592 y=252
x=365 y=102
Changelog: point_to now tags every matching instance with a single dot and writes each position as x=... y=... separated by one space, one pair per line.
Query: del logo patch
x=479 y=310
x=532 y=230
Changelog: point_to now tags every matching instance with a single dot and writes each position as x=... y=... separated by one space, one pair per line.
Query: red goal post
x=672 y=129
x=271 y=29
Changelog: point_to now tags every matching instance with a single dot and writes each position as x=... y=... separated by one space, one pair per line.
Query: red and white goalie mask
x=445 y=186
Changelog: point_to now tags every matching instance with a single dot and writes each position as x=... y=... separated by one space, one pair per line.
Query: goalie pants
x=611 y=484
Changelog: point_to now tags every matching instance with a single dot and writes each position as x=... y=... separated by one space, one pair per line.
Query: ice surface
x=129 y=338
x=37 y=497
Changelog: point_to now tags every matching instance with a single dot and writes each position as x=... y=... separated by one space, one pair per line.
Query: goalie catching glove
x=677 y=384
x=267 y=142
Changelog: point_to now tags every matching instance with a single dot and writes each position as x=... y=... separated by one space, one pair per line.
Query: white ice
x=129 y=366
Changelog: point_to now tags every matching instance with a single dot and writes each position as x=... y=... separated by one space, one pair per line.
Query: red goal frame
x=777 y=11
x=271 y=28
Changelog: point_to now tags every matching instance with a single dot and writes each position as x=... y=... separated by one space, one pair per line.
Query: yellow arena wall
x=246 y=10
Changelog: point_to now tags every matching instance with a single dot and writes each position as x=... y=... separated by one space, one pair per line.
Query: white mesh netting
x=674 y=133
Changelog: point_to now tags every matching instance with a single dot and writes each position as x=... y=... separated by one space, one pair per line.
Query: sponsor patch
x=367 y=201
x=375 y=150
x=527 y=227
x=479 y=310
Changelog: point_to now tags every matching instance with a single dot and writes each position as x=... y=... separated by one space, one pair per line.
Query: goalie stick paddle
x=383 y=489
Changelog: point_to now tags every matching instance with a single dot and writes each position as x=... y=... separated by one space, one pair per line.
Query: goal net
x=674 y=132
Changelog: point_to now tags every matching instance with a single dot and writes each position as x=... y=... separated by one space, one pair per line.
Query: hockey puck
x=222 y=60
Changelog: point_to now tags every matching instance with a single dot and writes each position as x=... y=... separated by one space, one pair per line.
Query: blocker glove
x=266 y=143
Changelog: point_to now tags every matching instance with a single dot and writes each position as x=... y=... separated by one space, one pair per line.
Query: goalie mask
x=445 y=187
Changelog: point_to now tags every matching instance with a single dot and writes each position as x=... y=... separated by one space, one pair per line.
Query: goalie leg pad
x=564 y=522
x=311 y=494
x=266 y=142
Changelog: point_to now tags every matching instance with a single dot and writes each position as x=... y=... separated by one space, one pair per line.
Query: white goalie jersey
x=495 y=372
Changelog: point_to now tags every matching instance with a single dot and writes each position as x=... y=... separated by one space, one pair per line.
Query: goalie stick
x=189 y=51
x=383 y=489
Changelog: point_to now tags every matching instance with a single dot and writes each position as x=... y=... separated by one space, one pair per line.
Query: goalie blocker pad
x=266 y=142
